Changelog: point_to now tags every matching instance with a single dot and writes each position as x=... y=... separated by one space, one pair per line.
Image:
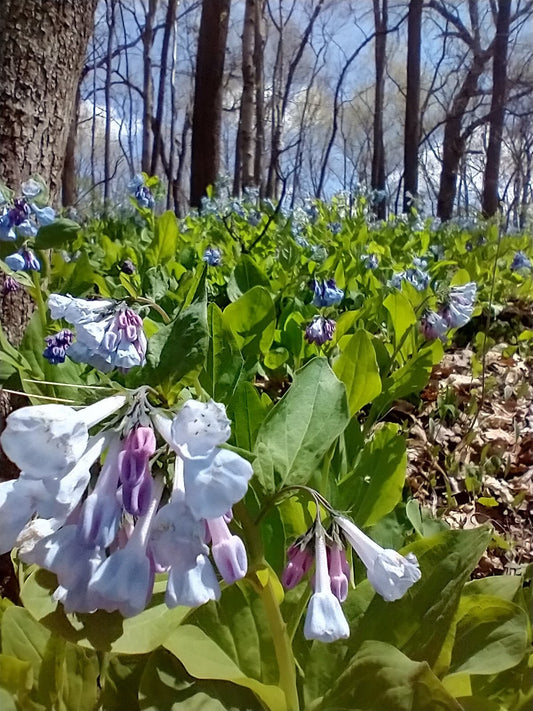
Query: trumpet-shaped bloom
x=389 y=573
x=432 y=326
x=326 y=293
x=191 y=581
x=325 y=619
x=109 y=335
x=520 y=261
x=58 y=435
x=199 y=427
x=23 y=261
x=460 y=305
x=212 y=257
x=320 y=330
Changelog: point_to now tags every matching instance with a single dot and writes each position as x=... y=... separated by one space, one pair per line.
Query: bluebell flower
x=44 y=215
x=31 y=189
x=318 y=253
x=312 y=212
x=254 y=218
x=325 y=619
x=134 y=469
x=108 y=334
x=320 y=330
x=140 y=192
x=228 y=551
x=23 y=261
x=326 y=293
x=7 y=233
x=334 y=227
x=57 y=346
x=416 y=276
x=370 y=261
x=301 y=241
x=458 y=309
x=389 y=573
x=520 y=261
x=212 y=257
x=433 y=325
x=127 y=267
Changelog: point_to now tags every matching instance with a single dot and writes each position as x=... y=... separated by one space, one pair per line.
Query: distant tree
x=412 y=103
x=207 y=110
x=489 y=203
x=244 y=149
x=380 y=56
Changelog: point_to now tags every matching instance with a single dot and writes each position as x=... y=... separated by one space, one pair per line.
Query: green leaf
x=418 y=624
x=165 y=242
x=357 y=368
x=120 y=682
x=224 y=362
x=301 y=427
x=491 y=635
x=403 y=318
x=252 y=319
x=106 y=631
x=375 y=487
x=16 y=677
x=166 y=686
x=380 y=677
x=247 y=411
x=60 y=232
x=231 y=641
x=244 y=277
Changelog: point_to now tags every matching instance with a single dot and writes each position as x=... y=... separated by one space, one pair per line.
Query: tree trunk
x=244 y=151
x=207 y=111
x=69 y=187
x=412 y=104
x=453 y=144
x=259 y=48
x=380 y=55
x=490 y=201
x=110 y=18
x=148 y=88
x=40 y=66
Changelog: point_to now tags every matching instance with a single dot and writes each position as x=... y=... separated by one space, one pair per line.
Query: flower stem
x=267 y=593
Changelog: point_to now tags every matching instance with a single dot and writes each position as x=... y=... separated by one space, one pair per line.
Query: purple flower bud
x=10 y=285
x=299 y=562
x=320 y=330
x=432 y=326
x=134 y=470
x=127 y=267
x=339 y=572
x=228 y=551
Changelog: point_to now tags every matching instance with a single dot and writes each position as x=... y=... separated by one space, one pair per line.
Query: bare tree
x=380 y=8
x=412 y=104
x=206 y=120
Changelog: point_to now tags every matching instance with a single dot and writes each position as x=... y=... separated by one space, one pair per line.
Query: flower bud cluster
x=22 y=217
x=454 y=312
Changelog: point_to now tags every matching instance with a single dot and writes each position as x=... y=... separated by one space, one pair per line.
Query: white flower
x=325 y=619
x=389 y=573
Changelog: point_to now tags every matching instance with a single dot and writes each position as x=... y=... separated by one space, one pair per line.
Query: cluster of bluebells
x=108 y=334
x=140 y=192
x=105 y=538
x=454 y=312
x=521 y=262
x=23 y=260
x=212 y=256
x=389 y=573
x=370 y=261
x=416 y=275
x=22 y=217
x=325 y=293
x=57 y=346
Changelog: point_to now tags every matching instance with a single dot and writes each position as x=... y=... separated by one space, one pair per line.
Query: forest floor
x=470 y=451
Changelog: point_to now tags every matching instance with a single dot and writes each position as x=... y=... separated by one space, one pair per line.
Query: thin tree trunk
x=148 y=88
x=259 y=47
x=110 y=17
x=412 y=104
x=380 y=55
x=207 y=111
x=490 y=201
x=69 y=180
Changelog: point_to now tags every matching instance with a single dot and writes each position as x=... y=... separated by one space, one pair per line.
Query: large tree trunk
x=489 y=203
x=453 y=145
x=412 y=105
x=380 y=54
x=207 y=111
x=41 y=57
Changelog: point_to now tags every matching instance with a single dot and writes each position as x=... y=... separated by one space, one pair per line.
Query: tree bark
x=412 y=104
x=380 y=55
x=244 y=151
x=490 y=201
x=148 y=88
x=207 y=111
x=259 y=48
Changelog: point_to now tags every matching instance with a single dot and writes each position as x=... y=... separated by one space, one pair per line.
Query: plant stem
x=38 y=296
x=267 y=593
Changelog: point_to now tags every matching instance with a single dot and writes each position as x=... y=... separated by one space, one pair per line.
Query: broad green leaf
x=247 y=411
x=244 y=277
x=418 y=624
x=375 y=487
x=380 y=677
x=164 y=244
x=403 y=318
x=301 y=427
x=57 y=234
x=7 y=701
x=252 y=319
x=231 y=641
x=105 y=631
x=357 y=368
x=82 y=278
x=224 y=361
x=166 y=686
x=120 y=682
x=24 y=638
x=490 y=637
x=16 y=676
